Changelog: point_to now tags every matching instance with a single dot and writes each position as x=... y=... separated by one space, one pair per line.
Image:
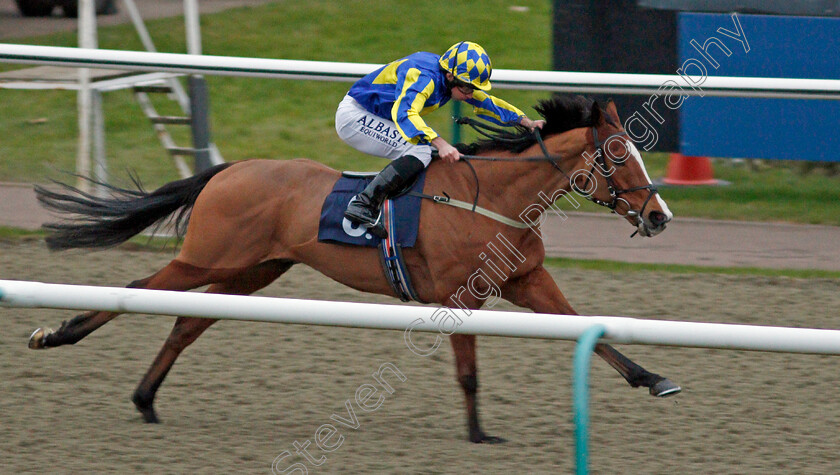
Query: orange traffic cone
x=683 y=170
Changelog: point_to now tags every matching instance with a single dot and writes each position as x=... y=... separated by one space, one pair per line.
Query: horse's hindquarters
x=256 y=210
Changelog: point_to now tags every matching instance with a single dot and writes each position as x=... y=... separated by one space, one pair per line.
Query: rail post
x=580 y=394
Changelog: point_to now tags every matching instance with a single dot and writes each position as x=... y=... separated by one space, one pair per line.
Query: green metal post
x=456 y=129
x=580 y=386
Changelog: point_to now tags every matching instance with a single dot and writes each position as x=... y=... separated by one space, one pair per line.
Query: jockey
x=382 y=113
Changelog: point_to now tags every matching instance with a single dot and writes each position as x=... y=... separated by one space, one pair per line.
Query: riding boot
x=364 y=207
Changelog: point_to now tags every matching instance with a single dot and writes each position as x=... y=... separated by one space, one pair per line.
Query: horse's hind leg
x=174 y=276
x=187 y=330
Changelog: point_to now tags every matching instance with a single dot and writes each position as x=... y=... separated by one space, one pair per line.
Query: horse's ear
x=612 y=111
x=595 y=114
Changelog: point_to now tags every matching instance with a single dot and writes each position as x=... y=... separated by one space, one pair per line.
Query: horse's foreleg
x=187 y=330
x=467 y=371
x=175 y=276
x=466 y=368
x=538 y=291
x=635 y=374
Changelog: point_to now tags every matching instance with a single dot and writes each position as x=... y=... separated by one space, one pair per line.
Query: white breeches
x=371 y=134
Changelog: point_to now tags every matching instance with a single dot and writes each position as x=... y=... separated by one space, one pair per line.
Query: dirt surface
x=245 y=392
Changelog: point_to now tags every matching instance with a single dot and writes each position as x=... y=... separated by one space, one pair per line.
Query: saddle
x=400 y=214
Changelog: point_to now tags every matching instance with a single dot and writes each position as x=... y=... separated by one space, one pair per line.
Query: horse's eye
x=616 y=151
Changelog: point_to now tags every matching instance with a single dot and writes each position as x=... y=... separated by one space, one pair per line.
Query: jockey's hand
x=531 y=124
x=446 y=152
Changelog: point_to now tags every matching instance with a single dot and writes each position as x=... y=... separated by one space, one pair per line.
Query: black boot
x=364 y=207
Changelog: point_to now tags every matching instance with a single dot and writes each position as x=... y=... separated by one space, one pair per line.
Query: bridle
x=615 y=194
x=600 y=160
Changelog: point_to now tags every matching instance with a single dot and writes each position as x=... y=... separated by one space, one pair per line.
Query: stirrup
x=361 y=220
x=377 y=228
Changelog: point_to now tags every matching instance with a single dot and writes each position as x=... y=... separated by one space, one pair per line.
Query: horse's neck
x=512 y=187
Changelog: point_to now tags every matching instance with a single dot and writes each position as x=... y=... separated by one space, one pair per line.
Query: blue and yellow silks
x=407 y=89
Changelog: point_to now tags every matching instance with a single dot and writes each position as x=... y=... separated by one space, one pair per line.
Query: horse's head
x=615 y=176
x=608 y=168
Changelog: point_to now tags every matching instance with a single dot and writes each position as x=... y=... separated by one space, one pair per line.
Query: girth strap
x=390 y=254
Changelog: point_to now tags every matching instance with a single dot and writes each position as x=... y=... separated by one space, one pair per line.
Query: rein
x=502 y=135
x=505 y=136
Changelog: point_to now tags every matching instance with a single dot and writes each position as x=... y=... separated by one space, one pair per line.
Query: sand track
x=245 y=392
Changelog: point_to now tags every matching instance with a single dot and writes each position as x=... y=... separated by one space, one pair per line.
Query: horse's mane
x=561 y=113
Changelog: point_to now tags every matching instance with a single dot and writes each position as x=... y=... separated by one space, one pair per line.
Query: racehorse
x=248 y=222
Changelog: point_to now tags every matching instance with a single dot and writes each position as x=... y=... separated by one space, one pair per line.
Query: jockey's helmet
x=469 y=63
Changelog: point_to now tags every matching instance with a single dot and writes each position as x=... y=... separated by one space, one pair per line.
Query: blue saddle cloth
x=334 y=227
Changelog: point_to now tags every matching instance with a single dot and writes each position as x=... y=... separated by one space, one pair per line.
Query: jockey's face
x=460 y=91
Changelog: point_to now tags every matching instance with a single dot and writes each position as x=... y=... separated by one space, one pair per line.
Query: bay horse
x=246 y=223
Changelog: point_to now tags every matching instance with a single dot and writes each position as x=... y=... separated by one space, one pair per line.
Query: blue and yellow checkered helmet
x=469 y=63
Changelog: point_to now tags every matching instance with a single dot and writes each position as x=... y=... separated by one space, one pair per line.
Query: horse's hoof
x=36 y=339
x=664 y=387
x=490 y=439
x=146 y=410
x=149 y=417
x=487 y=439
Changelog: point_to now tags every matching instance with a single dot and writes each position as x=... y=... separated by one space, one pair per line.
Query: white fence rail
x=335 y=71
x=399 y=317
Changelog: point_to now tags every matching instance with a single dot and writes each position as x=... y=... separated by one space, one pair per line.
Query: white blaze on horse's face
x=644 y=223
x=631 y=192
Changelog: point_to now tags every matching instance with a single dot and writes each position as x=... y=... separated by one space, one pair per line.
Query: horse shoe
x=36 y=339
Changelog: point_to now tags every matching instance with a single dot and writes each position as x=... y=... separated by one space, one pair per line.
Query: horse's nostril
x=657 y=218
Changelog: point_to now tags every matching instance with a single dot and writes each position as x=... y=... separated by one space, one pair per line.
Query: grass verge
x=264 y=118
x=621 y=267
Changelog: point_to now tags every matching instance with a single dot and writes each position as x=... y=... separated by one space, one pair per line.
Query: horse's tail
x=100 y=222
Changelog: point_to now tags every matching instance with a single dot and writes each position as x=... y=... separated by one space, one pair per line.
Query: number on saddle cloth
x=334 y=227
